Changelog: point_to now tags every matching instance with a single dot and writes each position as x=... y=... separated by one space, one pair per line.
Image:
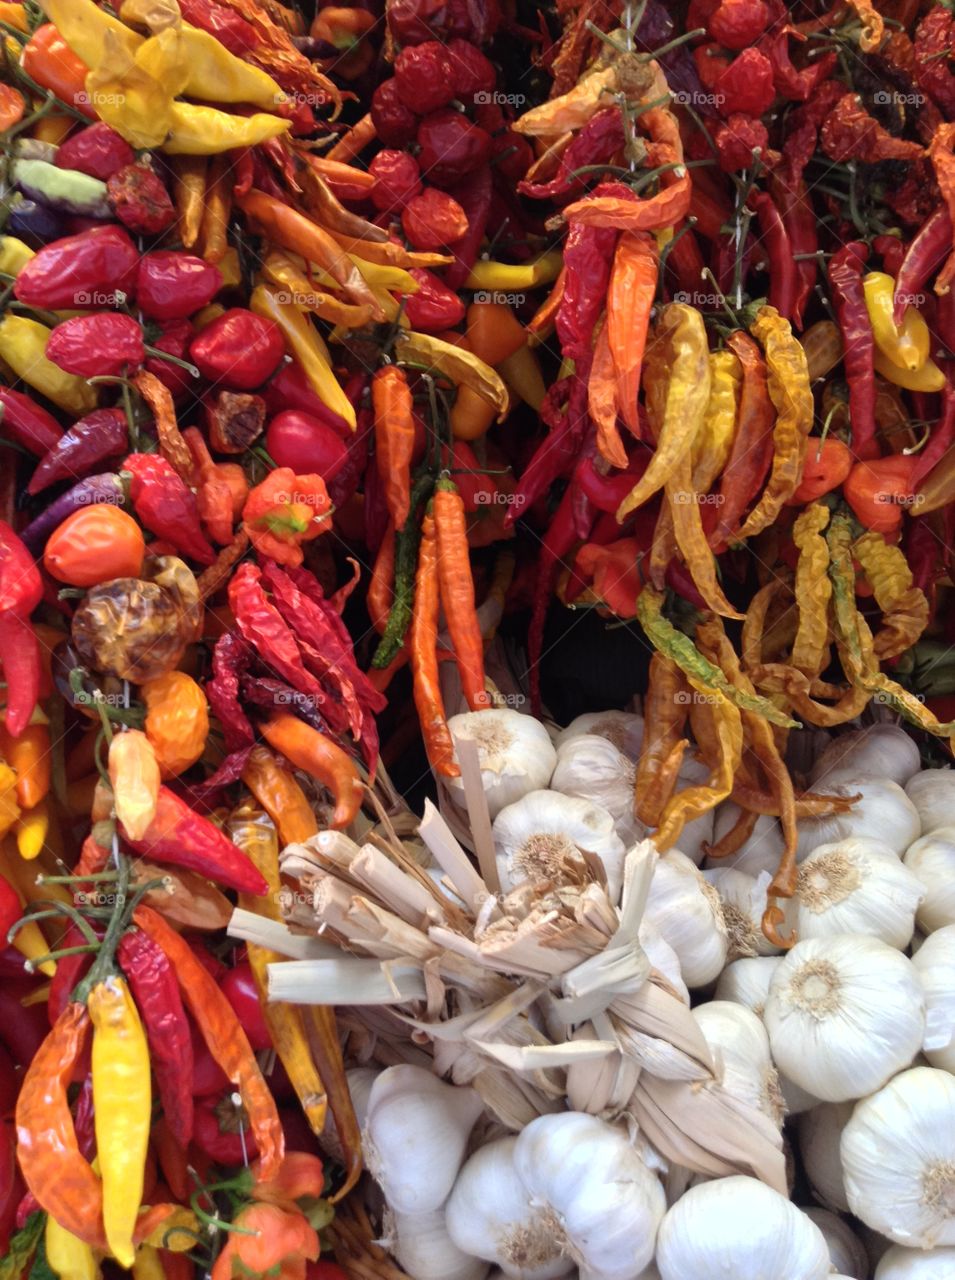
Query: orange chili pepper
x=93 y=545
x=49 y=60
x=602 y=402
x=457 y=592
x=633 y=284
x=353 y=140
x=381 y=588
x=29 y=756
x=878 y=490
x=276 y=790
x=177 y=721
x=542 y=321
x=494 y=332
x=424 y=657
x=311 y=751
x=216 y=209
x=224 y=1037
x=394 y=439
x=12 y=106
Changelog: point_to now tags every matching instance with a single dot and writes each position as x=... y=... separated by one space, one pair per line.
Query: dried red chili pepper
x=228 y=27
x=434 y=307
x=172 y=286
x=423 y=77
x=239 y=349
x=746 y=86
x=98 y=436
x=230 y=660
x=166 y=506
x=140 y=200
x=797 y=86
x=27 y=424
x=850 y=133
x=97 y=150
x=85 y=270
x=598 y=142
x=782 y=268
x=103 y=343
x=397 y=179
x=925 y=254
x=394 y=123
x=21 y=590
x=934 y=38
x=451 y=146
x=848 y=298
x=394 y=439
x=473 y=194
x=737 y=139
x=738 y=23
x=433 y=220
x=264 y=628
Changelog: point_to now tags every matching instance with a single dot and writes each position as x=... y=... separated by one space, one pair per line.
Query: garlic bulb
x=535 y=837
x=932 y=791
x=898 y=1159
x=415 y=1135
x=739 y=1229
x=421 y=1243
x=915 y=1264
x=935 y=963
x=359 y=1080
x=744 y=901
x=746 y=981
x=592 y=768
x=623 y=728
x=741 y=1048
x=490 y=1214
x=820 y=1133
x=857 y=886
x=883 y=812
x=762 y=850
x=878 y=751
x=601 y=1196
x=515 y=752
x=687 y=911
x=844 y=1014
x=663 y=958
x=846 y=1251
x=932 y=860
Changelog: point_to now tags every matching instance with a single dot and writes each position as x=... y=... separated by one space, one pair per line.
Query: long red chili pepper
x=791 y=195
x=457 y=592
x=21 y=590
x=927 y=252
x=752 y=450
x=394 y=438
x=848 y=297
x=424 y=656
x=782 y=268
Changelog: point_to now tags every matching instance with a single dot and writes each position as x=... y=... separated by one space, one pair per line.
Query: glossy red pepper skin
x=166 y=506
x=788 y=188
x=208 y=1078
x=238 y=987
x=174 y=338
x=27 y=423
x=139 y=200
x=105 y=342
x=926 y=253
x=782 y=268
x=85 y=270
x=474 y=197
x=306 y=444
x=240 y=349
x=228 y=27
x=845 y=278
x=225 y=1146
x=397 y=179
x=173 y=286
x=10 y=909
x=941 y=439
x=451 y=147
x=98 y=436
x=21 y=590
x=290 y=389
x=434 y=307
x=97 y=150
x=156 y=992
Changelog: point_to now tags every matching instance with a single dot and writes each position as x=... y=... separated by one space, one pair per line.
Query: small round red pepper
x=738 y=23
x=238 y=987
x=746 y=85
x=433 y=220
x=172 y=286
x=471 y=72
x=221 y=1131
x=239 y=349
x=397 y=179
x=434 y=307
x=140 y=200
x=97 y=150
x=395 y=124
x=423 y=77
x=879 y=490
x=106 y=342
x=299 y=441
x=451 y=146
x=86 y=270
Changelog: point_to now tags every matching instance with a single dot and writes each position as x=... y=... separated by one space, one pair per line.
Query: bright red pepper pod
x=240 y=349
x=290 y=389
x=828 y=462
x=238 y=987
x=879 y=491
x=86 y=270
x=433 y=220
x=103 y=343
x=10 y=909
x=97 y=150
x=423 y=77
x=471 y=71
x=451 y=147
x=395 y=123
x=172 y=286
x=305 y=444
x=434 y=307
x=175 y=339
x=140 y=200
x=738 y=23
x=397 y=179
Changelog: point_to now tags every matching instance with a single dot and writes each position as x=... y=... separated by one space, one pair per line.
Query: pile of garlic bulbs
x=581 y=1058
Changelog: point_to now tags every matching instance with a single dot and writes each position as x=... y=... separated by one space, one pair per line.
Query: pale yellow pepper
x=906 y=345
x=23 y=348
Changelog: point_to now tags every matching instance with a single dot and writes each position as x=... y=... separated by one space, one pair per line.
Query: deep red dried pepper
x=434 y=307
x=27 y=424
x=264 y=628
x=927 y=251
x=934 y=39
x=423 y=77
x=474 y=197
x=797 y=86
x=166 y=506
x=240 y=349
x=105 y=342
x=229 y=28
x=397 y=179
x=851 y=133
x=98 y=436
x=782 y=268
x=172 y=286
x=85 y=270
x=97 y=150
x=140 y=200
x=746 y=86
x=451 y=146
x=848 y=298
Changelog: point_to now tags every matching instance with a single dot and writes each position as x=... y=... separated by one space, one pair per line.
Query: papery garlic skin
x=514 y=750
x=857 y=886
x=744 y=902
x=490 y=1215
x=932 y=860
x=415 y=1136
x=915 y=1264
x=736 y=1228
x=535 y=837
x=882 y=751
x=935 y=964
x=741 y=1050
x=623 y=728
x=846 y=1251
x=883 y=812
x=762 y=850
x=898 y=1159
x=593 y=768
x=844 y=1014
x=932 y=791
x=746 y=981
x=663 y=958
x=422 y=1246
x=820 y=1135
x=607 y=1202
x=687 y=912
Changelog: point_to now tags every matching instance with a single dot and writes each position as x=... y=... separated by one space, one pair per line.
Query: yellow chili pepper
x=905 y=609
x=513 y=277
x=202 y=319
x=571 y=110
x=31 y=830
x=203 y=131
x=927 y=378
x=84 y=26
x=276 y=790
x=307 y=347
x=727 y=731
x=714 y=440
x=230 y=268
x=23 y=347
x=189 y=190
x=906 y=346
x=9 y=809
x=216 y=75
x=284 y=269
x=812 y=591
x=14 y=255
x=69 y=1257
x=134 y=777
x=147 y=1264
x=455 y=363
x=522 y=373
x=15 y=16
x=395 y=278
x=122 y=1103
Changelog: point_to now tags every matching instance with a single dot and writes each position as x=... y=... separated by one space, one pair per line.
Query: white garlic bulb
x=537 y=835
x=846 y=1251
x=915 y=1264
x=421 y=1243
x=744 y=902
x=898 y=1159
x=820 y=1133
x=762 y=850
x=415 y=1136
x=687 y=911
x=932 y=791
x=736 y=1228
x=490 y=1215
x=663 y=958
x=935 y=963
x=514 y=750
x=878 y=751
x=623 y=728
x=593 y=768
x=883 y=812
x=844 y=1014
x=932 y=860
x=603 y=1198
x=746 y=981
x=857 y=886
x=741 y=1050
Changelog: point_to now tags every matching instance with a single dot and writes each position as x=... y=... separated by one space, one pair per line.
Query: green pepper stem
x=158 y=354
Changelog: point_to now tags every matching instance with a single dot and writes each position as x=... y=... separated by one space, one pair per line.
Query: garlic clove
x=545 y=833
x=492 y=1215
x=415 y=1136
x=740 y=1229
x=514 y=750
x=883 y=812
x=422 y=1246
x=795 y=1099
x=857 y=886
x=359 y=1081
x=687 y=912
x=933 y=793
x=898 y=1159
x=899 y=1263
x=844 y=1014
x=846 y=1251
x=932 y=860
x=935 y=963
x=877 y=751
x=820 y=1133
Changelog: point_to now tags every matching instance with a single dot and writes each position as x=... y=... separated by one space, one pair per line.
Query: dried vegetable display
x=477 y=499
